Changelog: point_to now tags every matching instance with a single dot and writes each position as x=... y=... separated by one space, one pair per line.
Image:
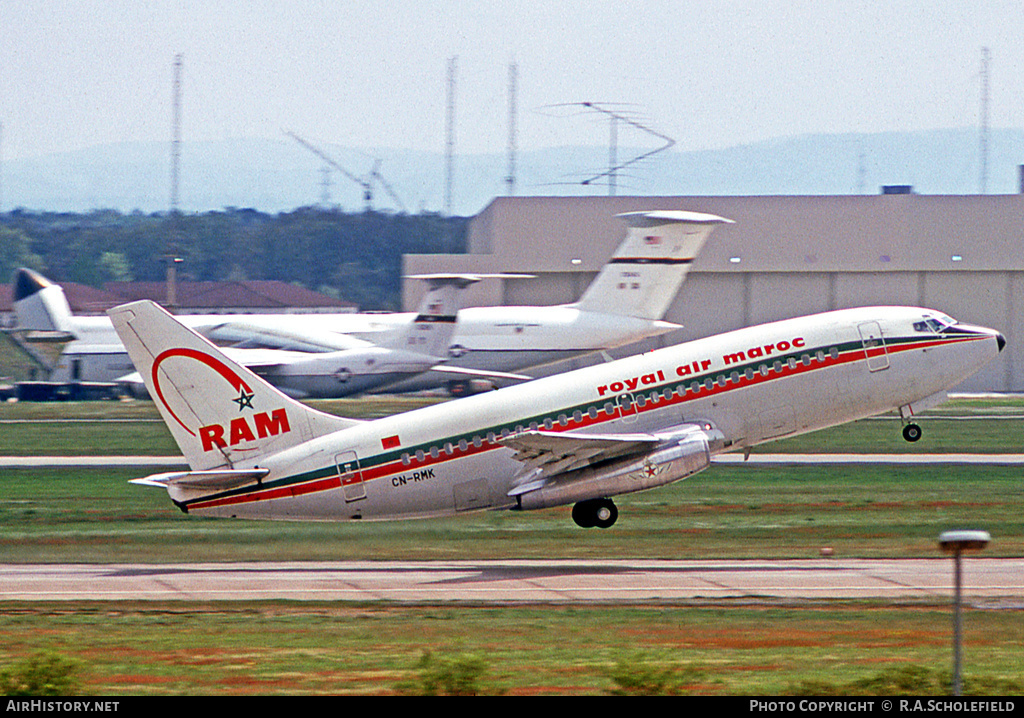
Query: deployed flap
x=644 y=275
x=555 y=452
x=546 y=454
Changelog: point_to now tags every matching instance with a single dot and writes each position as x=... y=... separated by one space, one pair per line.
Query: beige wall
x=798 y=255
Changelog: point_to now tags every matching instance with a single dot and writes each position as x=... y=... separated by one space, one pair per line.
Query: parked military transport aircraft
x=412 y=348
x=624 y=304
x=577 y=438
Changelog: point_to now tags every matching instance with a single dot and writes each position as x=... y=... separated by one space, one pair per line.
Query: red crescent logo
x=216 y=364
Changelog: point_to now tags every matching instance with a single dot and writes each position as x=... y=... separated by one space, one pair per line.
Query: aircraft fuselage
x=747 y=386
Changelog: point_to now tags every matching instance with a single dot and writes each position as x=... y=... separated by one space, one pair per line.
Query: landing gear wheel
x=601 y=513
x=911 y=432
x=581 y=514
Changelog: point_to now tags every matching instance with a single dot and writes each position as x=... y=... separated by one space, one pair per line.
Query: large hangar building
x=784 y=257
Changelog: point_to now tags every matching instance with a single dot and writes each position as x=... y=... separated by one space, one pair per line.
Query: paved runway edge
x=996 y=582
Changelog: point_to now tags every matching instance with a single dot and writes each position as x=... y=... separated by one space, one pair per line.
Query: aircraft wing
x=482 y=373
x=240 y=335
x=556 y=452
x=548 y=455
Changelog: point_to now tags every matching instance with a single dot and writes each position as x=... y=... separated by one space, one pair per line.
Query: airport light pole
x=956 y=542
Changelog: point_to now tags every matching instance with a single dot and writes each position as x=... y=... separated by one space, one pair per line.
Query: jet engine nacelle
x=674 y=461
x=468 y=387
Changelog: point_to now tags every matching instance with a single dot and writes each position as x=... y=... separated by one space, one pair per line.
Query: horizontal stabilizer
x=206 y=480
x=466 y=279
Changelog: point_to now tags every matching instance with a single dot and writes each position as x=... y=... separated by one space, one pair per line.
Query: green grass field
x=94 y=515
x=335 y=648
x=725 y=648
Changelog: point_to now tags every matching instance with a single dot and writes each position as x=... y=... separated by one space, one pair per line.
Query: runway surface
x=998 y=582
x=170 y=462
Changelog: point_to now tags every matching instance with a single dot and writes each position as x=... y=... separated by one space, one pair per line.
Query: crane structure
x=367 y=182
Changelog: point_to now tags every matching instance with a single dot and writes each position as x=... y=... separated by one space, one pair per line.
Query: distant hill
x=274 y=175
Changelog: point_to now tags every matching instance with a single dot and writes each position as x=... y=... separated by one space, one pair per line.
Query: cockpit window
x=934 y=324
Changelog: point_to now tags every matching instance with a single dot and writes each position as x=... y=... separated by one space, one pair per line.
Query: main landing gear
x=911 y=432
x=595 y=512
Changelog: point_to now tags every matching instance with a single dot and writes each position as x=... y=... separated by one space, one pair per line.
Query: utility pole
x=174 y=249
x=176 y=135
x=510 y=179
x=449 y=152
x=984 y=120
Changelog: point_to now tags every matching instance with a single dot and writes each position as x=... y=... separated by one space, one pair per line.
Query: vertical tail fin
x=219 y=412
x=430 y=333
x=644 y=275
x=39 y=304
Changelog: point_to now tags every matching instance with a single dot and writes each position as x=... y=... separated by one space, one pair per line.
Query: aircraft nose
x=1000 y=340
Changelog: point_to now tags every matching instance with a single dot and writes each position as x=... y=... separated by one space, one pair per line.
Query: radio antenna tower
x=176 y=135
x=449 y=148
x=984 y=120
x=614 y=166
x=173 y=257
x=510 y=179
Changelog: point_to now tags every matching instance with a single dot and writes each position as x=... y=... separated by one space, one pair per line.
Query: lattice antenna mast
x=449 y=147
x=174 y=243
x=176 y=135
x=510 y=179
x=984 y=120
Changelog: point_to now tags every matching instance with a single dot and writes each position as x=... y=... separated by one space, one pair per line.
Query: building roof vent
x=897 y=189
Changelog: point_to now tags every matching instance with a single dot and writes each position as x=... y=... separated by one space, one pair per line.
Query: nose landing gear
x=911 y=432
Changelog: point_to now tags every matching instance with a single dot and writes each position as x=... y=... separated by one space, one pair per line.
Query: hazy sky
x=373 y=74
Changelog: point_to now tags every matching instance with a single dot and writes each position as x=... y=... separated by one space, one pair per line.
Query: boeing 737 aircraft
x=625 y=303
x=577 y=438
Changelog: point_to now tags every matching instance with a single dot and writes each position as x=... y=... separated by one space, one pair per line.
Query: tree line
x=354 y=257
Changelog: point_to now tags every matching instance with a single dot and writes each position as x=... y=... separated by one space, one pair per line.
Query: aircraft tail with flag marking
x=644 y=275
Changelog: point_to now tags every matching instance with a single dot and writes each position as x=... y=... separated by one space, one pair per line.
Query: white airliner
x=577 y=438
x=625 y=303
x=411 y=349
